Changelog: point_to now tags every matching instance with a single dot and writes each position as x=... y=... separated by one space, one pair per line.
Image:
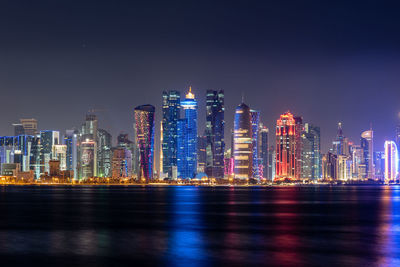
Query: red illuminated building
x=288 y=148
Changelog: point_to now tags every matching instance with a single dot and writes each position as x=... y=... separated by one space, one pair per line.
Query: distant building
x=144 y=118
x=329 y=168
x=215 y=129
x=47 y=140
x=104 y=154
x=255 y=124
x=169 y=126
x=391 y=161
x=263 y=151
x=121 y=163
x=243 y=144
x=311 y=152
x=379 y=163
x=88 y=147
x=201 y=153
x=367 y=144
x=287 y=147
x=187 y=138
x=71 y=141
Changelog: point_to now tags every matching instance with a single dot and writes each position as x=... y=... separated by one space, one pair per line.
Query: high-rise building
x=298 y=145
x=121 y=163
x=311 y=152
x=271 y=163
x=88 y=147
x=358 y=166
x=286 y=147
x=71 y=141
x=215 y=126
x=59 y=153
x=379 y=163
x=104 y=154
x=144 y=124
x=187 y=138
x=391 y=161
x=18 y=129
x=329 y=168
x=169 y=126
x=343 y=167
x=255 y=125
x=201 y=153
x=367 y=144
x=263 y=148
x=397 y=139
x=341 y=143
x=243 y=144
x=47 y=140
x=29 y=125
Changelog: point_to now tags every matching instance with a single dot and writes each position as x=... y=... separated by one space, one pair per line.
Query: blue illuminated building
x=171 y=113
x=187 y=138
x=255 y=123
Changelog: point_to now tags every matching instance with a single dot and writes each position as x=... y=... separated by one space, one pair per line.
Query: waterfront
x=199 y=226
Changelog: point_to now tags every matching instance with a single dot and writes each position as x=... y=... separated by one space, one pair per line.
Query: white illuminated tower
x=391 y=161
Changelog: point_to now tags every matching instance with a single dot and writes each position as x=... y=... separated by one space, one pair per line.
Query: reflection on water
x=197 y=226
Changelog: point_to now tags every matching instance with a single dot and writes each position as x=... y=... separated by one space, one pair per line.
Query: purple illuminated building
x=144 y=118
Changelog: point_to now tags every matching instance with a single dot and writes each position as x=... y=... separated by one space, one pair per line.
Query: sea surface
x=199 y=226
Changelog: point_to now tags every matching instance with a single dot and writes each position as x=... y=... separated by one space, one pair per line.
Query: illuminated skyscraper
x=341 y=144
x=391 y=161
x=286 y=146
x=88 y=148
x=201 y=153
x=255 y=124
x=144 y=119
x=104 y=154
x=171 y=113
x=215 y=127
x=187 y=138
x=47 y=140
x=71 y=141
x=367 y=144
x=398 y=135
x=243 y=144
x=30 y=126
x=311 y=152
x=263 y=151
x=379 y=163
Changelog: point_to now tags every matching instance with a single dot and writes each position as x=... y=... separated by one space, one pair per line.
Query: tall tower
x=286 y=147
x=71 y=141
x=144 y=119
x=243 y=144
x=263 y=150
x=169 y=126
x=215 y=126
x=47 y=140
x=104 y=154
x=367 y=144
x=187 y=138
x=391 y=161
x=88 y=147
x=255 y=124
x=311 y=152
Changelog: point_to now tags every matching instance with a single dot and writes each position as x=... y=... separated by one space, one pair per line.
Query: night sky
x=327 y=61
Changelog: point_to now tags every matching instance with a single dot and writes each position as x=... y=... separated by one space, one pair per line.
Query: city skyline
x=281 y=57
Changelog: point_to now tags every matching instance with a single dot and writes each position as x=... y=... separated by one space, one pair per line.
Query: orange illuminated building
x=287 y=148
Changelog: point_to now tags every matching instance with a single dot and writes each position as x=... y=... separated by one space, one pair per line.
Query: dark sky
x=327 y=61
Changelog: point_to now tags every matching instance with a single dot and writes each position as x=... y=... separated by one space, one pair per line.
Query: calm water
x=198 y=226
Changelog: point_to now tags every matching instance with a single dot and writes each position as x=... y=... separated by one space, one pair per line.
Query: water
x=199 y=226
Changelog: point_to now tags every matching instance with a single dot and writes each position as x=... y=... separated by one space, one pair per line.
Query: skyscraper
x=341 y=143
x=391 y=161
x=263 y=148
x=311 y=152
x=215 y=126
x=286 y=147
x=255 y=124
x=104 y=154
x=201 y=153
x=243 y=144
x=187 y=138
x=71 y=141
x=171 y=113
x=144 y=119
x=398 y=135
x=47 y=140
x=367 y=144
x=88 y=147
x=30 y=126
